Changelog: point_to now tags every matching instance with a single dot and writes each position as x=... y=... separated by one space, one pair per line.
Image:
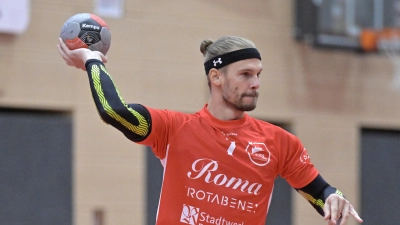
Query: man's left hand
x=337 y=207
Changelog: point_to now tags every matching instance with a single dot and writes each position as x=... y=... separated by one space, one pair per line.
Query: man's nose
x=255 y=83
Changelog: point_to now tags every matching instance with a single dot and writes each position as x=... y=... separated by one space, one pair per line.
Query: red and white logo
x=189 y=214
x=258 y=153
x=304 y=157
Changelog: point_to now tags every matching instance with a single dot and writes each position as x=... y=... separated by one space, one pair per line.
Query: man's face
x=240 y=84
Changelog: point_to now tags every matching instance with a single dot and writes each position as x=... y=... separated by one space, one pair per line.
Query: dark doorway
x=380 y=176
x=35 y=167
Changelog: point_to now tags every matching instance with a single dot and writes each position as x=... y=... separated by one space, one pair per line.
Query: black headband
x=225 y=59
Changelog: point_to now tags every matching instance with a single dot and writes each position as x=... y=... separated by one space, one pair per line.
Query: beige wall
x=326 y=96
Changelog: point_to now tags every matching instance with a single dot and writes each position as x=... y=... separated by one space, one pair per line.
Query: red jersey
x=222 y=172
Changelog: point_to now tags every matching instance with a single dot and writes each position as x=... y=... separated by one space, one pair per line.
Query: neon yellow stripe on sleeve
x=317 y=202
x=141 y=129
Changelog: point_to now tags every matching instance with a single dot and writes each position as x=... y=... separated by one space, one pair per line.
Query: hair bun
x=204 y=45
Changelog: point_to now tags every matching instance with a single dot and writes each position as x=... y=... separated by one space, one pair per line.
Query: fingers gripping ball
x=85 y=30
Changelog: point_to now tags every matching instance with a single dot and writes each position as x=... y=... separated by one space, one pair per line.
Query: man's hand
x=337 y=207
x=78 y=57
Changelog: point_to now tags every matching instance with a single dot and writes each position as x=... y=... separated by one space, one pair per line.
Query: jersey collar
x=223 y=123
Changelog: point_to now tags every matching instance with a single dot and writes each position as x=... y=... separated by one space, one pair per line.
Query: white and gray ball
x=85 y=30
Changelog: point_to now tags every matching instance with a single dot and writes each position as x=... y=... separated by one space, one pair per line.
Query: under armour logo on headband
x=218 y=61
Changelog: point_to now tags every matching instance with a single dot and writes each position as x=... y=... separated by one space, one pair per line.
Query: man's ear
x=214 y=76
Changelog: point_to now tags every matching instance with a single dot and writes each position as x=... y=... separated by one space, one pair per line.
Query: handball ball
x=85 y=30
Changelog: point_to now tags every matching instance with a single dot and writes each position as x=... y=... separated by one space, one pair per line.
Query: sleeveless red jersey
x=222 y=172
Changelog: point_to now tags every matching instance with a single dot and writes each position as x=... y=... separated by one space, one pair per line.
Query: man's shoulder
x=172 y=112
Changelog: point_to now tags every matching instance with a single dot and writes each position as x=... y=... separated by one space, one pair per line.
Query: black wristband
x=317 y=191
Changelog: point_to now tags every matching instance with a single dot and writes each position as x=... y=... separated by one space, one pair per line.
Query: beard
x=239 y=103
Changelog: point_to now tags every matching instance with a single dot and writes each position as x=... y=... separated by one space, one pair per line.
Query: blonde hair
x=223 y=45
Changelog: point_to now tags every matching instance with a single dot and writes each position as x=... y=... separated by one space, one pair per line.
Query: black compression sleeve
x=317 y=192
x=133 y=120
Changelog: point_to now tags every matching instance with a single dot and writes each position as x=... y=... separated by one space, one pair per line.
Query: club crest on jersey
x=304 y=157
x=258 y=153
